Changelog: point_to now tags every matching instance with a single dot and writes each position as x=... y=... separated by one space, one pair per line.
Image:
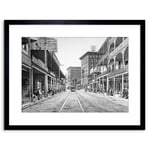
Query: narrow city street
x=79 y=101
x=85 y=81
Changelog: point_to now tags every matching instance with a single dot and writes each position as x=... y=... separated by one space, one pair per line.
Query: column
x=108 y=67
x=51 y=82
x=114 y=86
x=46 y=85
x=122 y=82
x=107 y=83
x=31 y=83
x=103 y=83
x=114 y=44
x=54 y=83
x=114 y=63
x=98 y=84
x=45 y=56
x=123 y=64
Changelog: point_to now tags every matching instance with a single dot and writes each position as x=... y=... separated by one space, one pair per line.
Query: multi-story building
x=26 y=70
x=88 y=62
x=40 y=70
x=74 y=76
x=113 y=66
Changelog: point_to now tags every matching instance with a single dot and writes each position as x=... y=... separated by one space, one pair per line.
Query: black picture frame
x=7 y=24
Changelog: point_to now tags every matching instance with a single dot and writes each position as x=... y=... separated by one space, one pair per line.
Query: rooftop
x=88 y=53
x=73 y=67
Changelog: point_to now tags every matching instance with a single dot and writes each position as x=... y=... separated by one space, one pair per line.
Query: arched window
x=111 y=65
x=126 y=57
x=105 y=64
x=118 y=61
x=118 y=41
x=111 y=48
x=101 y=67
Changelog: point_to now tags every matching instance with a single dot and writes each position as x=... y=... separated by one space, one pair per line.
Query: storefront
x=111 y=86
x=38 y=83
x=26 y=85
x=103 y=84
x=118 y=84
x=126 y=81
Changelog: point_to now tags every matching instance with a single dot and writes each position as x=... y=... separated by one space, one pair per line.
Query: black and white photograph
x=75 y=74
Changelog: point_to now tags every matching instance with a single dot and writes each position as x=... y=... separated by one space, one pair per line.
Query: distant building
x=88 y=62
x=73 y=76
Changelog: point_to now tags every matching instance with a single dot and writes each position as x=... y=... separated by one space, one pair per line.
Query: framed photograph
x=74 y=75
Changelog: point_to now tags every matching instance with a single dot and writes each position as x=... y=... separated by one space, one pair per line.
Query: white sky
x=71 y=49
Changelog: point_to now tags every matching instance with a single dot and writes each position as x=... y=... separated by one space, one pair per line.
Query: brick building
x=88 y=62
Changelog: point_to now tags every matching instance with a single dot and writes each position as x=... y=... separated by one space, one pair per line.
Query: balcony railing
x=119 y=47
x=114 y=71
x=26 y=59
x=39 y=63
x=119 y=70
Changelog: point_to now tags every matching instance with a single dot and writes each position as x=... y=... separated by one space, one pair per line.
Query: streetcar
x=72 y=89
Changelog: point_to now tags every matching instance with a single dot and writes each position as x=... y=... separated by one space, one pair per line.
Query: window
x=118 y=41
x=111 y=48
x=25 y=48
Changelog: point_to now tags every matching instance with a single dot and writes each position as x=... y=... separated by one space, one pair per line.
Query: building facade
x=74 y=76
x=113 y=66
x=41 y=74
x=88 y=62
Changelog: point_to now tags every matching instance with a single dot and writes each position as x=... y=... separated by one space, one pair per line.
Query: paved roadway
x=78 y=101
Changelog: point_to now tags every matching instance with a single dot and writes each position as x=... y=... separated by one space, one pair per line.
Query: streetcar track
x=64 y=103
x=107 y=100
x=80 y=103
x=66 y=100
x=101 y=107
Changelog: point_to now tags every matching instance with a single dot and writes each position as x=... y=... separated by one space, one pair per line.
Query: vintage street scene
x=75 y=74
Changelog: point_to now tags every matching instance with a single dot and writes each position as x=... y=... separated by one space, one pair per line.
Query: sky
x=71 y=49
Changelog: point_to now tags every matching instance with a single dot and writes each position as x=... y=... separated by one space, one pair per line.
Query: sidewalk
x=39 y=101
x=33 y=103
x=117 y=100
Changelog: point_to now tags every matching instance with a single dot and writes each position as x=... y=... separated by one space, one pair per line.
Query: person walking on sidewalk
x=38 y=94
x=125 y=93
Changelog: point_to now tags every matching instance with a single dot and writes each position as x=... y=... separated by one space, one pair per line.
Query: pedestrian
x=125 y=93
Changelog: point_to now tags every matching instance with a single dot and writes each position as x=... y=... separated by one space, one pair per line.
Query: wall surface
x=77 y=9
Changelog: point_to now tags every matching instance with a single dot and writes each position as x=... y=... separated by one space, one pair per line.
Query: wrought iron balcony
x=120 y=47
